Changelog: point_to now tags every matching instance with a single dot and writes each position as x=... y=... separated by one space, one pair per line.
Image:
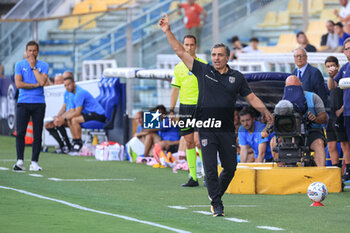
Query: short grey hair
x=222 y=45
x=346 y=41
x=300 y=48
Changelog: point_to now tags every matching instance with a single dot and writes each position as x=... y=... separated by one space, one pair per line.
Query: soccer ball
x=317 y=191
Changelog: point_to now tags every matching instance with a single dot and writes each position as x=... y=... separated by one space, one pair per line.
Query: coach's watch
x=34 y=68
x=171 y=110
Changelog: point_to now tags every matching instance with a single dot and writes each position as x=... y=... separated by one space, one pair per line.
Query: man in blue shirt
x=30 y=77
x=344 y=72
x=86 y=109
x=58 y=124
x=249 y=133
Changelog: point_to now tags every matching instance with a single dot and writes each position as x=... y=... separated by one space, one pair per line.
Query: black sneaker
x=218 y=211
x=190 y=183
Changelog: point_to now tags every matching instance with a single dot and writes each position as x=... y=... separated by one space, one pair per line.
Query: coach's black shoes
x=191 y=183
x=218 y=211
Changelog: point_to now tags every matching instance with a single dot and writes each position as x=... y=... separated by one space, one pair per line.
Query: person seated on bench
x=58 y=123
x=86 y=109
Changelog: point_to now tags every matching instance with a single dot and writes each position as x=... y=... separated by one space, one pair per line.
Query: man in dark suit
x=310 y=76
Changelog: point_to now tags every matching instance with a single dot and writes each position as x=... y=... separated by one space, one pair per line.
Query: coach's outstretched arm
x=174 y=43
x=253 y=100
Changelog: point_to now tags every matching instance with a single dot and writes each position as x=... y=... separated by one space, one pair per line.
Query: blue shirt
x=254 y=139
x=344 y=72
x=89 y=104
x=35 y=95
x=68 y=100
x=168 y=132
x=343 y=38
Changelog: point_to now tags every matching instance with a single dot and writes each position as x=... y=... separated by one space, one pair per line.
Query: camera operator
x=315 y=113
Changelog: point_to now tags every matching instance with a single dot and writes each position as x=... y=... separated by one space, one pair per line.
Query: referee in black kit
x=218 y=89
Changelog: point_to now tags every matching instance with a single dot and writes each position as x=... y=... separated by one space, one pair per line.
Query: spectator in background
x=193 y=21
x=338 y=29
x=253 y=46
x=335 y=126
x=249 y=133
x=304 y=42
x=311 y=78
x=58 y=123
x=58 y=79
x=30 y=77
x=344 y=14
x=237 y=47
x=330 y=40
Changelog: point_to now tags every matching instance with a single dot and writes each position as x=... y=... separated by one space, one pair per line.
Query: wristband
x=171 y=110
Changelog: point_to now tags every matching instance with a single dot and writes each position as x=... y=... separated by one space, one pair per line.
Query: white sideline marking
x=270 y=228
x=225 y=206
x=8 y=160
x=236 y=220
x=178 y=207
x=35 y=175
x=203 y=212
x=95 y=211
x=58 y=179
x=4 y=168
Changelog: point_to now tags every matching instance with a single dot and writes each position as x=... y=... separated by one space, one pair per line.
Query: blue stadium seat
x=109 y=98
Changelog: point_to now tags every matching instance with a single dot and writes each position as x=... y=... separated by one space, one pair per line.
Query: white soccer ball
x=317 y=191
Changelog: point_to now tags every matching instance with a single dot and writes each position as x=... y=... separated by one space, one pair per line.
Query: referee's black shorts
x=187 y=112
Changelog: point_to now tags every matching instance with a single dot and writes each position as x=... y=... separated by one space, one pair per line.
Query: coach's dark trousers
x=24 y=112
x=225 y=144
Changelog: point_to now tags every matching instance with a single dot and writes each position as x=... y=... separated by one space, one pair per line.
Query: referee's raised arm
x=175 y=44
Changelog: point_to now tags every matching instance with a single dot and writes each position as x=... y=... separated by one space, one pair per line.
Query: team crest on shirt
x=204 y=142
x=231 y=79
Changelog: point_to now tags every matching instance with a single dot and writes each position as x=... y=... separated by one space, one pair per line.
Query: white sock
x=19 y=162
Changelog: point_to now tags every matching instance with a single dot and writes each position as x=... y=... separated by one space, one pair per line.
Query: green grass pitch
x=141 y=203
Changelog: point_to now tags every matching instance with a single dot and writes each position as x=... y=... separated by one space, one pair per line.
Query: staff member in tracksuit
x=218 y=89
x=30 y=78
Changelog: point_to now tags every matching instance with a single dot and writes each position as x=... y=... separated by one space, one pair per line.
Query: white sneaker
x=19 y=166
x=34 y=167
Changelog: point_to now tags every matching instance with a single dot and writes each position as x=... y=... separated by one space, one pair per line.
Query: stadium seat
x=314 y=39
x=294 y=7
x=283 y=18
x=328 y=14
x=81 y=7
x=270 y=20
x=173 y=6
x=315 y=6
x=98 y=6
x=87 y=18
x=69 y=23
x=114 y=2
x=316 y=27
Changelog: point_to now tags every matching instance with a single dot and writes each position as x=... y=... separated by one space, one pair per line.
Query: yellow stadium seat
x=270 y=20
x=315 y=6
x=287 y=39
x=81 y=7
x=328 y=14
x=314 y=39
x=87 y=18
x=175 y=15
x=284 y=18
x=203 y=2
x=294 y=7
x=98 y=6
x=316 y=27
x=115 y=2
x=69 y=23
